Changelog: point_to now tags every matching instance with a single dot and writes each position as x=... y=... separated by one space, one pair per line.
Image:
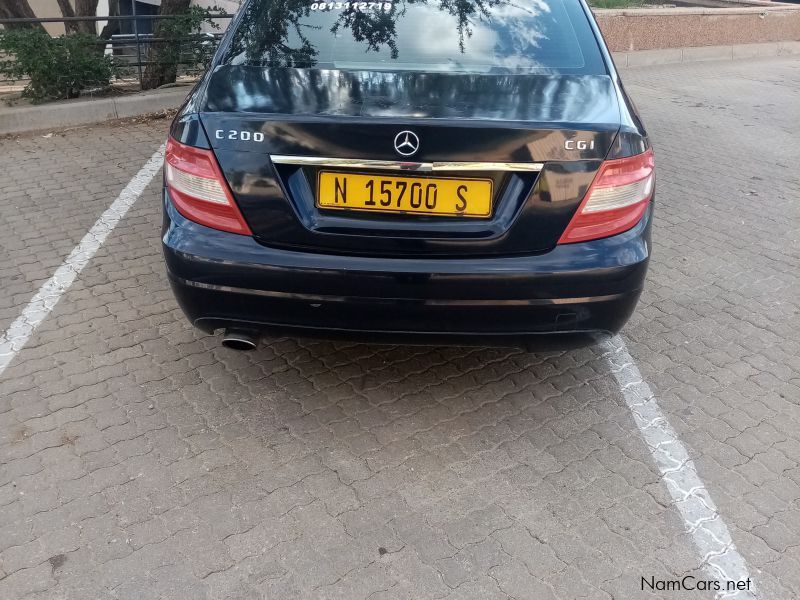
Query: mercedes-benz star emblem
x=406 y=143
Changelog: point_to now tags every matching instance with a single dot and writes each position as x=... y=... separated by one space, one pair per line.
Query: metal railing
x=131 y=50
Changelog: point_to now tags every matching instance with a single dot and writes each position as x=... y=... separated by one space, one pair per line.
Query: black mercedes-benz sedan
x=420 y=170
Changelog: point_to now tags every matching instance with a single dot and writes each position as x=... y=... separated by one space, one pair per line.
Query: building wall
x=652 y=29
x=49 y=8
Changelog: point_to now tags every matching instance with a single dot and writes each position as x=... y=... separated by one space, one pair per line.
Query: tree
x=113 y=26
x=88 y=8
x=160 y=70
x=83 y=8
x=17 y=9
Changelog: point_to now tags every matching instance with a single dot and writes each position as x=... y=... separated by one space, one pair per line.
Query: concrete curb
x=87 y=112
x=749 y=9
x=646 y=58
x=72 y=113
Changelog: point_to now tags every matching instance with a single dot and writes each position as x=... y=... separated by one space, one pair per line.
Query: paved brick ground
x=142 y=460
x=52 y=189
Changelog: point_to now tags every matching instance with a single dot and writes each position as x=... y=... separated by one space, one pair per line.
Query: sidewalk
x=73 y=113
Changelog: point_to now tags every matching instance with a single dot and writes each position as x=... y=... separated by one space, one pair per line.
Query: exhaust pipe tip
x=240 y=339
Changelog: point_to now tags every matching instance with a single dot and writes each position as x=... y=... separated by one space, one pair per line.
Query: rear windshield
x=459 y=36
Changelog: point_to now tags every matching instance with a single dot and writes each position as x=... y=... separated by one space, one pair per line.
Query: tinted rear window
x=460 y=36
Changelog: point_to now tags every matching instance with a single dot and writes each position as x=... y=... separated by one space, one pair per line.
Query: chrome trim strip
x=398 y=165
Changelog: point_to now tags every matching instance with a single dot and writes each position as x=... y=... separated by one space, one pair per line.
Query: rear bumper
x=576 y=292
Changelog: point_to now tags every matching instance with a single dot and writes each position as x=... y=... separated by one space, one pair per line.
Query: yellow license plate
x=418 y=195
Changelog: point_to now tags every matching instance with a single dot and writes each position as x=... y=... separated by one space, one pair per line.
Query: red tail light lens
x=199 y=190
x=616 y=200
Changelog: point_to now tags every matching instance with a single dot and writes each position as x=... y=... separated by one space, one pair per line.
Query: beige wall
x=628 y=30
x=48 y=8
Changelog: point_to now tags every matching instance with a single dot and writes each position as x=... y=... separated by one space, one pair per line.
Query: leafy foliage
x=58 y=68
x=273 y=35
x=379 y=28
x=375 y=29
x=184 y=44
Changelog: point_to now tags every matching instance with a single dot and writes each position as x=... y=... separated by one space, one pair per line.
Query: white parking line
x=20 y=331
x=702 y=520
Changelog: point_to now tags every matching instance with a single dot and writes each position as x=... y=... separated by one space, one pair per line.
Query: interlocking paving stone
x=140 y=459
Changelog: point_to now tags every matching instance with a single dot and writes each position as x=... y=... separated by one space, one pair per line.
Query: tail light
x=199 y=190
x=616 y=200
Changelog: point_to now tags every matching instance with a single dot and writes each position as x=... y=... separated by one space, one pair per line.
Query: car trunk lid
x=539 y=139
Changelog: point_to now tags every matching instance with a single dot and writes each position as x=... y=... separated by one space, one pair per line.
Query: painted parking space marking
x=43 y=302
x=702 y=520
